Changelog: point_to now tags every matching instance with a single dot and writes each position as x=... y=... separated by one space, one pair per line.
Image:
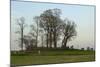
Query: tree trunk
x=55 y=39
x=50 y=39
x=47 y=40
x=37 y=35
x=22 y=38
x=36 y=42
x=65 y=42
x=42 y=40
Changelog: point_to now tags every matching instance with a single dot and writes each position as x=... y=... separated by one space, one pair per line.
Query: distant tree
x=33 y=33
x=35 y=30
x=29 y=42
x=92 y=49
x=69 y=32
x=22 y=25
x=82 y=48
x=72 y=47
x=42 y=36
x=26 y=41
x=88 y=48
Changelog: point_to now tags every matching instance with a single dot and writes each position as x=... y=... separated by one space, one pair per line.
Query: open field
x=52 y=56
x=27 y=60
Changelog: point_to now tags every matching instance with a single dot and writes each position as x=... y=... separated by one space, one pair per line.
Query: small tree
x=82 y=48
x=29 y=42
x=72 y=47
x=88 y=48
x=92 y=49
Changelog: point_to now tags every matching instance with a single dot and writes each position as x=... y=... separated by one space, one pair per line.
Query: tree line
x=50 y=27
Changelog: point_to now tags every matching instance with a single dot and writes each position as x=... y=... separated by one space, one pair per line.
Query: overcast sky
x=83 y=16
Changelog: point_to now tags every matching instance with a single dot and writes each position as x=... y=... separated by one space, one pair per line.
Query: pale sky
x=82 y=15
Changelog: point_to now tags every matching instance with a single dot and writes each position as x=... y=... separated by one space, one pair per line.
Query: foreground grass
x=27 y=60
x=48 y=57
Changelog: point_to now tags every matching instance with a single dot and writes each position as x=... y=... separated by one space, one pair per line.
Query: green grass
x=52 y=56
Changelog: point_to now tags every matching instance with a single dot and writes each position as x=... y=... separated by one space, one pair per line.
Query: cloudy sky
x=82 y=15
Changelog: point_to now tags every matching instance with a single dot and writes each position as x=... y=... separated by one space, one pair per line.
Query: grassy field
x=52 y=56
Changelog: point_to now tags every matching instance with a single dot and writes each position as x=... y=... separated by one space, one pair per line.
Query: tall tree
x=45 y=24
x=21 y=24
x=69 y=31
x=57 y=25
x=51 y=22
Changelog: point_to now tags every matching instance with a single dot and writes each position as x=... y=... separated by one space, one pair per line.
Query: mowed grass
x=52 y=56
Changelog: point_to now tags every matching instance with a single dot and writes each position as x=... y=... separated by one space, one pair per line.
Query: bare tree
x=21 y=24
x=51 y=22
x=69 y=31
x=29 y=42
x=45 y=24
x=35 y=30
x=41 y=35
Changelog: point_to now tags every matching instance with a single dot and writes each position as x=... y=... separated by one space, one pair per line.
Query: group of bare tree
x=51 y=26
